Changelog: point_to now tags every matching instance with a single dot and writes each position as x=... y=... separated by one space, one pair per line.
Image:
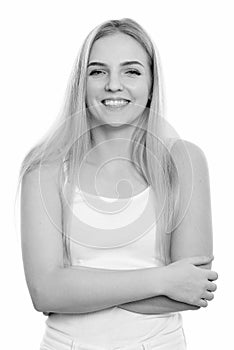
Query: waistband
x=54 y=339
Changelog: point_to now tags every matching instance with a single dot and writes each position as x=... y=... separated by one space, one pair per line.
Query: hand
x=187 y=283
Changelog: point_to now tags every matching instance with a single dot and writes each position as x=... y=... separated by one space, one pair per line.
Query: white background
x=39 y=42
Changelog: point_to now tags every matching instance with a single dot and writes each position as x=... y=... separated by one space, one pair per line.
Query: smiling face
x=118 y=80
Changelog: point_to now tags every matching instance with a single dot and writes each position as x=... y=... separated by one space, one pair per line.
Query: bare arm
x=54 y=288
x=193 y=235
x=157 y=305
x=82 y=290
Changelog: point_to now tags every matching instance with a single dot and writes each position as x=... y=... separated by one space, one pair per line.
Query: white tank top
x=114 y=234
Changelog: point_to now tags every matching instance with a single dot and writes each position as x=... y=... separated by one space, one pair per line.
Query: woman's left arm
x=157 y=305
x=192 y=235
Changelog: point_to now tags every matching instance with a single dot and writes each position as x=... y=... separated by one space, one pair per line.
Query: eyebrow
x=126 y=63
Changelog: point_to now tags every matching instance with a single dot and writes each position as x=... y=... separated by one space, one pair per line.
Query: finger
x=202 y=303
x=211 y=287
x=212 y=276
x=208 y=295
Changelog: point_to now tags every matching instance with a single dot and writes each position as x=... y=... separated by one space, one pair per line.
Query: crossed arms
x=58 y=290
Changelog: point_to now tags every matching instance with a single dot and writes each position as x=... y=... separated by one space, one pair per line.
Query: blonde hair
x=68 y=144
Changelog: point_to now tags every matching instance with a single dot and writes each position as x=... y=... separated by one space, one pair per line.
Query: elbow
x=37 y=301
x=39 y=297
x=36 y=298
x=37 y=307
x=42 y=301
x=43 y=291
x=46 y=295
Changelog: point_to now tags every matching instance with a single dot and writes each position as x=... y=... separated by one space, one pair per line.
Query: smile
x=115 y=103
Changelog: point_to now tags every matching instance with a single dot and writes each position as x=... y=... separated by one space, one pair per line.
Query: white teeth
x=115 y=103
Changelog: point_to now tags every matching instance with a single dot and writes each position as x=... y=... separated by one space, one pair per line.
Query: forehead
x=117 y=47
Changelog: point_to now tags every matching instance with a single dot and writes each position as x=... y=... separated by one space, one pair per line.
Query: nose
x=114 y=82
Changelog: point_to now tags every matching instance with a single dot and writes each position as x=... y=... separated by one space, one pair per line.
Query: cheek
x=142 y=91
x=90 y=94
x=93 y=90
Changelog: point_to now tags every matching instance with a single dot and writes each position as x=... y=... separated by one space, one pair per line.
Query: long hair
x=69 y=139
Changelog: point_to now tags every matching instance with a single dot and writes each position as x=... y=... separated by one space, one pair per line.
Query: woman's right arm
x=54 y=288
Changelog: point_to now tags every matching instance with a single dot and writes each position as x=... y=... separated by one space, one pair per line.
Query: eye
x=96 y=72
x=133 y=72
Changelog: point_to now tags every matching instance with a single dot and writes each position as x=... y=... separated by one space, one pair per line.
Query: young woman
x=115 y=214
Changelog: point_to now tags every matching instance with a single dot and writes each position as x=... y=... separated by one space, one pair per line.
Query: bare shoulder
x=40 y=195
x=193 y=177
x=189 y=158
x=181 y=147
x=41 y=177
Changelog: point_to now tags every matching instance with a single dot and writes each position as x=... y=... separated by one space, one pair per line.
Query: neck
x=111 y=143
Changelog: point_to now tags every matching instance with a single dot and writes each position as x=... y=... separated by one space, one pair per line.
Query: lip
x=115 y=99
x=115 y=108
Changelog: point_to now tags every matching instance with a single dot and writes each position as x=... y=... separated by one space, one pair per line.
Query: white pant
x=56 y=340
